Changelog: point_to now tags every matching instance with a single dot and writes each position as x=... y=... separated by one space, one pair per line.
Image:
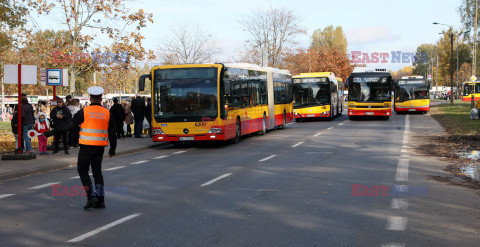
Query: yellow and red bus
x=412 y=95
x=369 y=93
x=317 y=95
x=468 y=91
x=203 y=102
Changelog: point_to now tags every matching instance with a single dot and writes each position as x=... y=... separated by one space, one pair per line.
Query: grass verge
x=456 y=119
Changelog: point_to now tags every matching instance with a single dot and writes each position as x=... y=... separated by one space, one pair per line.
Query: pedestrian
x=138 y=109
x=118 y=113
x=148 y=115
x=14 y=125
x=73 y=134
x=28 y=119
x=60 y=116
x=41 y=126
x=68 y=100
x=97 y=129
x=128 y=117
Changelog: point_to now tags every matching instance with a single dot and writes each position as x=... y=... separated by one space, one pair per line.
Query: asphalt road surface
x=316 y=183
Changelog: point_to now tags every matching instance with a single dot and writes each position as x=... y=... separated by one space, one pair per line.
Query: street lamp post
x=451 y=60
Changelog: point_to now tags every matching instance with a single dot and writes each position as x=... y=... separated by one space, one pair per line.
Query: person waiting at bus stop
x=97 y=129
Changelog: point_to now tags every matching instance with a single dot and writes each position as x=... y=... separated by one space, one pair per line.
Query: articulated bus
x=468 y=88
x=369 y=93
x=317 y=95
x=200 y=102
x=412 y=94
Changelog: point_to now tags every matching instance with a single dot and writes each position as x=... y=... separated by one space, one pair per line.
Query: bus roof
x=330 y=75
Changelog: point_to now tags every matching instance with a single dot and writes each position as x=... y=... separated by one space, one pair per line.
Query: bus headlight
x=215 y=130
x=158 y=132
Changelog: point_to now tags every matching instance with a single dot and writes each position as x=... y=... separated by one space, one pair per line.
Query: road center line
x=139 y=162
x=399 y=203
x=160 y=157
x=402 y=170
x=216 y=179
x=330 y=128
x=6 y=195
x=298 y=144
x=179 y=152
x=396 y=223
x=340 y=124
x=114 y=168
x=43 y=186
x=269 y=157
x=317 y=134
x=101 y=229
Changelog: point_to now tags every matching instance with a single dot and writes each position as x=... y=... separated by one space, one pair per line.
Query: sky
x=370 y=25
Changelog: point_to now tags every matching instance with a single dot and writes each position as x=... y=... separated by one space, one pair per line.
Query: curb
x=49 y=168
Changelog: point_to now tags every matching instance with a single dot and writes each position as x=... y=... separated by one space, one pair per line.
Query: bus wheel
x=237 y=132
x=264 y=126
x=284 y=123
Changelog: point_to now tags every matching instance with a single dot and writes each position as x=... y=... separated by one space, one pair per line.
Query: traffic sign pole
x=19 y=110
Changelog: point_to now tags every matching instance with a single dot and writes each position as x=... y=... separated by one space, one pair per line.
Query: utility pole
x=474 y=67
x=451 y=67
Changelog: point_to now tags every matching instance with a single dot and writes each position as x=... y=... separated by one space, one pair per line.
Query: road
x=291 y=187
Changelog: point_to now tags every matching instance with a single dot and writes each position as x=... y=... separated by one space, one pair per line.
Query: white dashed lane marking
x=265 y=159
x=396 y=223
x=139 y=162
x=114 y=168
x=317 y=134
x=298 y=144
x=399 y=203
x=6 y=195
x=43 y=186
x=330 y=128
x=216 y=179
x=393 y=245
x=160 y=157
x=402 y=170
x=101 y=229
x=340 y=124
x=179 y=152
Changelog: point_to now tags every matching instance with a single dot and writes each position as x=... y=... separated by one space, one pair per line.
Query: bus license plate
x=412 y=109
x=186 y=138
x=310 y=115
x=369 y=113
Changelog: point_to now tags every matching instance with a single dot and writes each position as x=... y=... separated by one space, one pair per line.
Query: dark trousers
x=119 y=129
x=73 y=136
x=91 y=156
x=129 y=130
x=138 y=127
x=63 y=136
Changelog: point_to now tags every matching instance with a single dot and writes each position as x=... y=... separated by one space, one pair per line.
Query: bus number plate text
x=369 y=113
x=186 y=138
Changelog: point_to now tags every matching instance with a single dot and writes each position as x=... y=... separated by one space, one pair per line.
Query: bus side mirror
x=141 y=82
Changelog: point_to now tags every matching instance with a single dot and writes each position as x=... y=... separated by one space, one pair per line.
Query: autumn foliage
x=324 y=59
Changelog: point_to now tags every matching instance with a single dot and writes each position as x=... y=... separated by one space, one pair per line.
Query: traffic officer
x=97 y=128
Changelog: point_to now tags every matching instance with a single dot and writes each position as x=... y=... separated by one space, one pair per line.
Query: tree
x=426 y=53
x=111 y=17
x=405 y=71
x=324 y=59
x=330 y=37
x=273 y=29
x=187 y=43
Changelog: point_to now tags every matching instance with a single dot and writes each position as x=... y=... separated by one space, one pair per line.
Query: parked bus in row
x=471 y=89
x=201 y=102
x=412 y=94
x=369 y=93
x=317 y=95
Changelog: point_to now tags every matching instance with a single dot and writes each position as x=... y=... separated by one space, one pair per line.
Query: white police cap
x=95 y=90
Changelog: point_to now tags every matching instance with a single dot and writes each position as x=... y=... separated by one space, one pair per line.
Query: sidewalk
x=18 y=168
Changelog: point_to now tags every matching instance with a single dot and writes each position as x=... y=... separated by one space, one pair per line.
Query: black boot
x=91 y=201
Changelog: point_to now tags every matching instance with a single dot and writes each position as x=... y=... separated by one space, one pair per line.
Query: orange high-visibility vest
x=94 y=129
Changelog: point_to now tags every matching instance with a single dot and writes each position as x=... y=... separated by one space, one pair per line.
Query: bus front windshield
x=185 y=94
x=411 y=92
x=369 y=89
x=311 y=94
